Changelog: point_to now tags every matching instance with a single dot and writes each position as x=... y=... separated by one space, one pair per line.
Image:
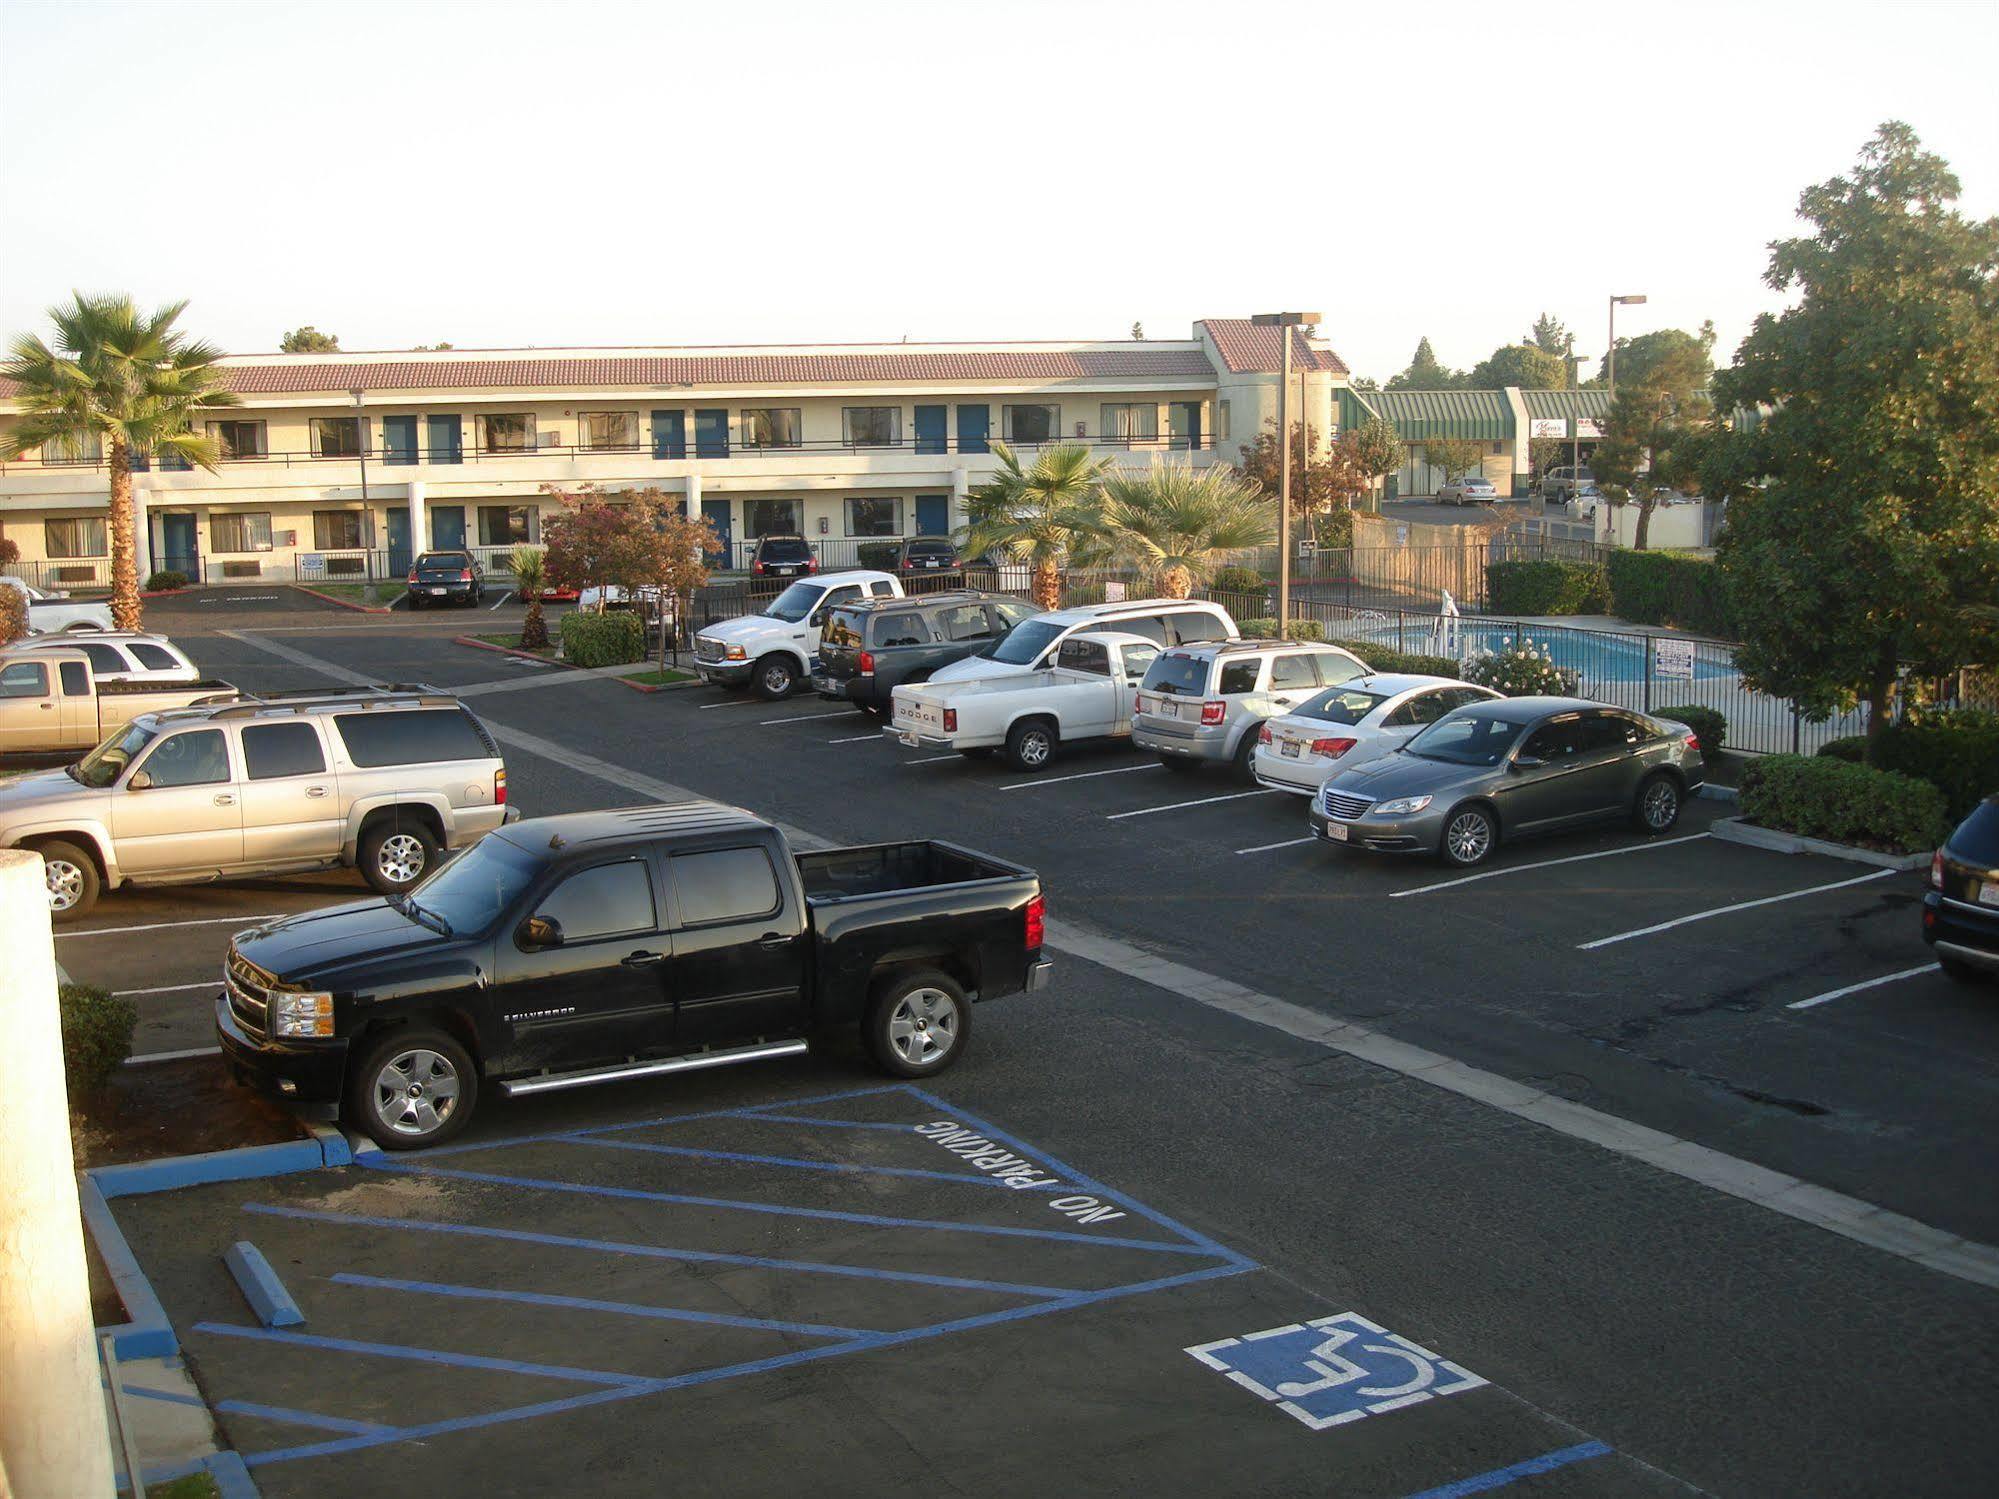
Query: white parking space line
x=1264 y=848
x=173 y=1056
x=214 y=983
x=1742 y=905
x=163 y=926
x=933 y=760
x=1886 y=978
x=499 y=601
x=1205 y=801
x=741 y=702
x=1493 y=874
x=1082 y=775
x=801 y=718
x=874 y=738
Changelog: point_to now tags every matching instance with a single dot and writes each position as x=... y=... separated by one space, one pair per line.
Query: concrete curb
x=692 y=681
x=1735 y=830
x=501 y=650
x=226 y=1467
x=343 y=603
x=1716 y=793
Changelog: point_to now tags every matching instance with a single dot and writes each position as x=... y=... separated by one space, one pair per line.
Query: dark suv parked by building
x=870 y=647
x=1961 y=907
x=783 y=557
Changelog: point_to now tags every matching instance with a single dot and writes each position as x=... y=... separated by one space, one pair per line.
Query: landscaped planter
x=1735 y=830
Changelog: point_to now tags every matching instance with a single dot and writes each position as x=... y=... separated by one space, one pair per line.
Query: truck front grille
x=1346 y=807
x=706 y=649
x=249 y=989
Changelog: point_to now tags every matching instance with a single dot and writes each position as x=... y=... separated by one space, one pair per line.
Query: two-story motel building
x=345 y=465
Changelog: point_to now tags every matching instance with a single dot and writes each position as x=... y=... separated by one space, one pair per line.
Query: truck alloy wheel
x=400 y=858
x=416 y=1088
x=1030 y=746
x=918 y=1024
x=72 y=880
x=394 y=856
x=775 y=677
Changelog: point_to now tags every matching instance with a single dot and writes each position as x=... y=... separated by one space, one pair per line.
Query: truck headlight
x=1402 y=806
x=735 y=653
x=302 y=1014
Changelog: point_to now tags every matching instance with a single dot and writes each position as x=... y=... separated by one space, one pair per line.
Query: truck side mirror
x=140 y=781
x=540 y=931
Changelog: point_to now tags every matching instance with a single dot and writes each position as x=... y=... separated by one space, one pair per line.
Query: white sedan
x=1351 y=724
x=1471 y=489
x=52 y=612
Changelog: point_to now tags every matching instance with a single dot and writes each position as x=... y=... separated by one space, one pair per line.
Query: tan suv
x=377 y=778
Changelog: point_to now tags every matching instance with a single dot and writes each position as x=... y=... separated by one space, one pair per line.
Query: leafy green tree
x=133 y=383
x=1324 y=479
x=1378 y=449
x=1637 y=356
x=1456 y=456
x=309 y=340
x=1364 y=382
x=1872 y=521
x=1551 y=336
x=1178 y=524
x=1656 y=433
x=1043 y=516
x=529 y=566
x=1425 y=373
x=1524 y=365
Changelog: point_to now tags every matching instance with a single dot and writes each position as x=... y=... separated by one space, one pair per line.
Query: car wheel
x=414 y=1087
x=918 y=1024
x=72 y=880
x=774 y=677
x=1959 y=970
x=395 y=854
x=1030 y=746
x=1245 y=755
x=1470 y=835
x=1658 y=805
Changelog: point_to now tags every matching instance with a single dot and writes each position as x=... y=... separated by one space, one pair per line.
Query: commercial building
x=1507 y=423
x=342 y=466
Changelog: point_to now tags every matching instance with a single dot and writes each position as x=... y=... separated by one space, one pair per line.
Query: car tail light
x=1140 y=705
x=1263 y=735
x=1037 y=921
x=1213 y=713
x=812 y=564
x=1936 y=870
x=499 y=788
x=412 y=575
x=1332 y=749
x=950 y=720
x=1693 y=742
x=465 y=575
x=756 y=567
x=866 y=663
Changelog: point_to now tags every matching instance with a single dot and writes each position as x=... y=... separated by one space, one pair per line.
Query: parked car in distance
x=1961 y=906
x=870 y=647
x=446 y=578
x=1467 y=489
x=1583 y=503
x=1031 y=645
x=1087 y=694
x=1204 y=704
x=1352 y=723
x=380 y=779
x=1512 y=768
x=1565 y=480
x=116 y=655
x=921 y=555
x=783 y=557
x=52 y=699
x=771 y=652
x=603 y=946
x=51 y=613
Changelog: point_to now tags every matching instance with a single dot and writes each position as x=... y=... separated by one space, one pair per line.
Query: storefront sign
x=1588 y=426
x=1548 y=426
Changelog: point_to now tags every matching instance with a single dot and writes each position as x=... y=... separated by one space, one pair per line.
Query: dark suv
x=446 y=578
x=870 y=647
x=783 y=557
x=922 y=555
x=1961 y=907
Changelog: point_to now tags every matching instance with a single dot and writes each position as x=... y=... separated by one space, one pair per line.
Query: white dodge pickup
x=772 y=652
x=1087 y=694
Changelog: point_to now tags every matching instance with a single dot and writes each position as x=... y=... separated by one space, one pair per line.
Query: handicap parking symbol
x=1333 y=1370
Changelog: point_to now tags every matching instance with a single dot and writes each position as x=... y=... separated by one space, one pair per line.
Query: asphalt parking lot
x=1724 y=994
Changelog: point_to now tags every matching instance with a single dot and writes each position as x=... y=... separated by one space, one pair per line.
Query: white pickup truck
x=772 y=652
x=1087 y=694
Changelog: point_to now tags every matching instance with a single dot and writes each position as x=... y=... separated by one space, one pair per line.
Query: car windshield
x=1025 y=641
x=1347 y=705
x=1465 y=739
x=472 y=891
x=107 y=762
x=795 y=602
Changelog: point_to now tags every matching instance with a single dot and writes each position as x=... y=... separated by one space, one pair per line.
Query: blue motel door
x=716 y=513
x=933 y=515
x=399 y=541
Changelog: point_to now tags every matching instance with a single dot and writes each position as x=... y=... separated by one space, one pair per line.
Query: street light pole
x=1611 y=357
x=1284 y=322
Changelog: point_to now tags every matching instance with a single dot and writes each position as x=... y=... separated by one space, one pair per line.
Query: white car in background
x=1351 y=724
x=1470 y=489
x=116 y=655
x=49 y=613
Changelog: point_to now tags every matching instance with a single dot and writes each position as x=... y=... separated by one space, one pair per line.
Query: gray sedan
x=1514 y=768
x=1470 y=489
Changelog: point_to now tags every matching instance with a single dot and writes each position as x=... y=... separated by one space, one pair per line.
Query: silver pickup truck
x=51 y=699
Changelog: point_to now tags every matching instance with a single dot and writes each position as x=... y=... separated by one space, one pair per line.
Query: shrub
x=1960 y=757
x=1239 y=580
x=1518 y=669
x=1852 y=749
x=1708 y=724
x=1822 y=797
x=1266 y=629
x=1385 y=658
x=13 y=613
x=1546 y=586
x=876 y=554
x=10 y=550
x=96 y=1035
x=1671 y=588
x=611 y=639
x=166 y=580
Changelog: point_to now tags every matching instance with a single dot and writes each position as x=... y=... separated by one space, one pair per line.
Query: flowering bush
x=1518 y=668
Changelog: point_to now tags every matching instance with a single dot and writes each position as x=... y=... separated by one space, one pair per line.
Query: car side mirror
x=540 y=931
x=140 y=781
x=1528 y=762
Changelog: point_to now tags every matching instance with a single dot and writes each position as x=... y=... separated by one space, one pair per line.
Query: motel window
x=503 y=525
x=337 y=530
x=1134 y=421
x=512 y=432
x=872 y=426
x=874 y=517
x=85 y=447
x=1221 y=419
x=336 y=436
x=83 y=536
x=1033 y=423
x=239 y=439
x=609 y=429
x=249 y=532
x=774 y=517
x=771 y=427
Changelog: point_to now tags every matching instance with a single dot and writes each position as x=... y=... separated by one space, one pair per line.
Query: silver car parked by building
x=1206 y=703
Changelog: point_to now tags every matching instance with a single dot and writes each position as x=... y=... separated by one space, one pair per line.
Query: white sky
x=607 y=173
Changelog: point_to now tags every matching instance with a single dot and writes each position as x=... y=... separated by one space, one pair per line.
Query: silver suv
x=379 y=778
x=1206 y=703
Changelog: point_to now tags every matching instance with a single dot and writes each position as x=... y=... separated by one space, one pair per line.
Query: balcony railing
x=63 y=574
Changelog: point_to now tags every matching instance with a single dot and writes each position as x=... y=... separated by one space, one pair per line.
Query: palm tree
x=1043 y=516
x=1177 y=524
x=530 y=569
x=133 y=384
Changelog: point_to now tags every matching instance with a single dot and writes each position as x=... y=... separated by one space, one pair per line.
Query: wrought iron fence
x=85 y=574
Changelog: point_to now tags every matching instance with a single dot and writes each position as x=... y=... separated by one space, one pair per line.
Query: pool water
x=1598 y=657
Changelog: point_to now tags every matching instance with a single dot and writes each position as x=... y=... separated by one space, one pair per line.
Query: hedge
x=1383 y=658
x=1239 y=580
x=1670 y=588
x=1852 y=749
x=1960 y=759
x=1546 y=586
x=96 y=1035
x=1266 y=629
x=165 y=581
x=610 y=639
x=1818 y=797
x=1708 y=724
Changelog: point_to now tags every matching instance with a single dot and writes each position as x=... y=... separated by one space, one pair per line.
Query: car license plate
x=1168 y=710
x=1336 y=832
x=1988 y=893
x=1289 y=749
x=930 y=562
x=438 y=591
x=908 y=737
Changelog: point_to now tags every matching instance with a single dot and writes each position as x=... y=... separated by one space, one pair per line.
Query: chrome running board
x=548 y=1082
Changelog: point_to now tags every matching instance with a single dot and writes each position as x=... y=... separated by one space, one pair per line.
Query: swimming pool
x=1596 y=656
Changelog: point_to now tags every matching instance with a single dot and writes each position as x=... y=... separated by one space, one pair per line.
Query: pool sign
x=1333 y=1370
x=1673 y=658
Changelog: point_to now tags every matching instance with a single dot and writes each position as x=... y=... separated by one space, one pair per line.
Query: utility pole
x=1611 y=357
x=1284 y=322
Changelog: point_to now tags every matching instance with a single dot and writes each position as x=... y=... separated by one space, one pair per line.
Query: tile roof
x=1248 y=349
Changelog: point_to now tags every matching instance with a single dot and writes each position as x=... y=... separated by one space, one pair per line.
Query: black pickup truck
x=604 y=945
